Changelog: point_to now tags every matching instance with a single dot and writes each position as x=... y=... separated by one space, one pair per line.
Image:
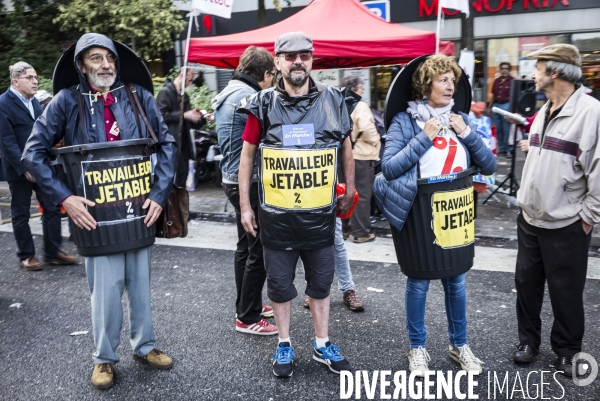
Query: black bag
x=173 y=220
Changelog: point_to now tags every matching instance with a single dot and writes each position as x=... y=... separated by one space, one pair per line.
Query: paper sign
x=119 y=187
x=298 y=134
x=453 y=220
x=298 y=179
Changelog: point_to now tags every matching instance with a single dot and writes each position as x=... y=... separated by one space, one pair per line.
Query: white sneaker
x=417 y=361
x=467 y=360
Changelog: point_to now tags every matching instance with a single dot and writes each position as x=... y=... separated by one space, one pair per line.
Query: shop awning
x=344 y=32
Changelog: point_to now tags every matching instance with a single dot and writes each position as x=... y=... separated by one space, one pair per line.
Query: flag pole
x=437 y=34
x=187 y=51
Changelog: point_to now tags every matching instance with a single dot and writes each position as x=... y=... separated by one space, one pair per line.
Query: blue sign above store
x=380 y=8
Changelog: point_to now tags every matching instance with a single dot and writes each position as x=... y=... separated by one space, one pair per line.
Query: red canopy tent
x=344 y=32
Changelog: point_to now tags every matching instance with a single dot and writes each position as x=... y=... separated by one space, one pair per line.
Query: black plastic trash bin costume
x=117 y=175
x=299 y=163
x=437 y=238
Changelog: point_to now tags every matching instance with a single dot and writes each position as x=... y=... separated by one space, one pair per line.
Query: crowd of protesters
x=268 y=127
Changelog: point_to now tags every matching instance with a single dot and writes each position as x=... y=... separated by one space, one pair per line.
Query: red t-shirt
x=501 y=90
x=252 y=132
x=110 y=124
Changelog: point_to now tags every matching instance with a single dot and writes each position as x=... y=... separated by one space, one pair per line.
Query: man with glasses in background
x=300 y=131
x=501 y=99
x=254 y=73
x=18 y=111
x=105 y=114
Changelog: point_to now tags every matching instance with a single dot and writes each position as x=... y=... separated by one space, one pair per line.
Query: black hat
x=400 y=92
x=131 y=69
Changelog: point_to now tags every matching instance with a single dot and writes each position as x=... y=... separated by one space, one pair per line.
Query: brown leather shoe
x=31 y=263
x=361 y=240
x=62 y=258
x=156 y=359
x=103 y=375
x=353 y=302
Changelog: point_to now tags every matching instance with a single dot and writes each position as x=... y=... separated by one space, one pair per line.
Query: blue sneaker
x=330 y=356
x=283 y=360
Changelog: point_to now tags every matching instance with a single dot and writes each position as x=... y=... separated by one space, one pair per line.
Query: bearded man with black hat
x=300 y=131
x=101 y=100
x=560 y=202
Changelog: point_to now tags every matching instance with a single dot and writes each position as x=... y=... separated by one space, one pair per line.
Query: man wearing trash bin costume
x=107 y=116
x=299 y=129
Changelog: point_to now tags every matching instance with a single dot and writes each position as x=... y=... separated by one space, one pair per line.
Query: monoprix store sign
x=418 y=10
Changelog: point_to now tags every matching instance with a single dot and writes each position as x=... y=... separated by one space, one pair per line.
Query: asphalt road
x=193 y=296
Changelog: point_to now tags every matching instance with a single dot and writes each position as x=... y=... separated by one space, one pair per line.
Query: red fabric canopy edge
x=345 y=34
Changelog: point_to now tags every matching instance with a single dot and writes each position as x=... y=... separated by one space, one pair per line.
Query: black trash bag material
x=299 y=155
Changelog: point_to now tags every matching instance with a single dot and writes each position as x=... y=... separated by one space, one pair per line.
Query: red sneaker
x=261 y=328
x=267 y=311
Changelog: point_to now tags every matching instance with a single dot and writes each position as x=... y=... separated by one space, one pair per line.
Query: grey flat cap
x=293 y=42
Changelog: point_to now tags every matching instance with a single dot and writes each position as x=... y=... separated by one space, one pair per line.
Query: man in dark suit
x=18 y=111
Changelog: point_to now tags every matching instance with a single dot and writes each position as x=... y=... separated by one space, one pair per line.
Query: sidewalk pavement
x=496 y=220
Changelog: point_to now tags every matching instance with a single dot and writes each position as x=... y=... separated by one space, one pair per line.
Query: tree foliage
x=27 y=34
x=145 y=25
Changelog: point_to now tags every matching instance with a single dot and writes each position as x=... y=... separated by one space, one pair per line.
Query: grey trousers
x=108 y=276
x=364 y=175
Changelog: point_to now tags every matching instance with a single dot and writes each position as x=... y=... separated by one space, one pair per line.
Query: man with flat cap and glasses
x=107 y=116
x=300 y=132
x=18 y=111
x=560 y=202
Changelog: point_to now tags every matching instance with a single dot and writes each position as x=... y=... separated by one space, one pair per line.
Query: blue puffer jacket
x=406 y=143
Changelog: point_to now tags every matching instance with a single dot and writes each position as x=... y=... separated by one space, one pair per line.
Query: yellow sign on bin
x=298 y=179
x=453 y=218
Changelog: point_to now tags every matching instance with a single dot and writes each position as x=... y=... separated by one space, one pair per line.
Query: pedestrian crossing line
x=204 y=234
x=10 y=219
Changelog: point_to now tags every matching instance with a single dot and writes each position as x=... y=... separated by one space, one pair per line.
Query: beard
x=97 y=81
x=296 y=81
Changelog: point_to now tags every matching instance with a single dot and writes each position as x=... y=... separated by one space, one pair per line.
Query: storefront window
x=515 y=51
x=501 y=51
x=589 y=47
x=479 y=76
x=479 y=70
x=381 y=80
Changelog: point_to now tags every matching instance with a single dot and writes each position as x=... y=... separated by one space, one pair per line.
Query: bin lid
x=131 y=69
x=101 y=145
x=400 y=92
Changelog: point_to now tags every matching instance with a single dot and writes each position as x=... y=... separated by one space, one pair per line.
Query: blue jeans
x=108 y=276
x=456 y=310
x=502 y=128
x=342 y=265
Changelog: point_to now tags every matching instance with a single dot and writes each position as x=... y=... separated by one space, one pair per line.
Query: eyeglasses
x=30 y=77
x=98 y=58
x=505 y=68
x=291 y=57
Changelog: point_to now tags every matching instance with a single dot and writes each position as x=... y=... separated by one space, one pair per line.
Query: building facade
x=504 y=30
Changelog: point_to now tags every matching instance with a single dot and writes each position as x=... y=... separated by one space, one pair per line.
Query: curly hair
x=431 y=68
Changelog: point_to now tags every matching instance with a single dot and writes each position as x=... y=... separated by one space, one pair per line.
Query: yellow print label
x=453 y=222
x=119 y=187
x=120 y=183
x=298 y=178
